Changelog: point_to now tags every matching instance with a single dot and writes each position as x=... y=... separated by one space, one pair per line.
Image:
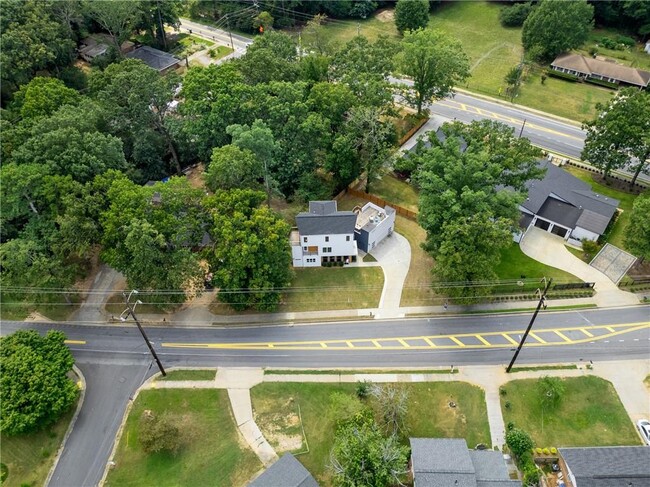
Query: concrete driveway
x=549 y=249
x=394 y=256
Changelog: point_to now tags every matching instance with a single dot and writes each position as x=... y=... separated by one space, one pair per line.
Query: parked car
x=644 y=430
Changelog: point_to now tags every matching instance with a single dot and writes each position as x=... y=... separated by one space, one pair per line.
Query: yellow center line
x=483 y=340
x=323 y=344
x=429 y=342
x=271 y=345
x=541 y=340
x=457 y=341
x=403 y=343
x=507 y=337
x=376 y=343
x=75 y=342
x=610 y=329
x=350 y=344
x=586 y=332
x=563 y=336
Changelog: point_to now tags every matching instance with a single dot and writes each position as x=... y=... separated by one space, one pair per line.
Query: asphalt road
x=115 y=360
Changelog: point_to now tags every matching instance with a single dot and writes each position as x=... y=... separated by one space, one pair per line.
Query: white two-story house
x=324 y=234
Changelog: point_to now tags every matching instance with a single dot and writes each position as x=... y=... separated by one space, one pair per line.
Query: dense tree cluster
x=36 y=389
x=471 y=183
x=556 y=26
x=411 y=15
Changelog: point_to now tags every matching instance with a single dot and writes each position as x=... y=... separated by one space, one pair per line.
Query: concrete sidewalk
x=626 y=376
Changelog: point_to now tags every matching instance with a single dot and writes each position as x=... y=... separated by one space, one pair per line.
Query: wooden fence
x=411 y=215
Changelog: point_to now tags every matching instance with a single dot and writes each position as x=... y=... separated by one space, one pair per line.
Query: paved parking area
x=613 y=262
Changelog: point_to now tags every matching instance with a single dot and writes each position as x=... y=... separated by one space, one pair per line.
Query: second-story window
x=304 y=239
x=347 y=238
x=327 y=239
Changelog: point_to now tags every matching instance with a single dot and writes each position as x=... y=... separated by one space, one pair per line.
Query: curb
x=80 y=403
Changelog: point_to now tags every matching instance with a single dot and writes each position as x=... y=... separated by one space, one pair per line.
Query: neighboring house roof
x=591 y=211
x=446 y=462
x=322 y=207
x=158 y=60
x=590 y=66
x=286 y=472
x=425 y=143
x=324 y=219
x=609 y=466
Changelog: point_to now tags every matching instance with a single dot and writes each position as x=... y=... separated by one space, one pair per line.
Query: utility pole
x=522 y=128
x=232 y=45
x=130 y=310
x=542 y=301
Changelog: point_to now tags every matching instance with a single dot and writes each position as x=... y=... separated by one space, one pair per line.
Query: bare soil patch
x=387 y=15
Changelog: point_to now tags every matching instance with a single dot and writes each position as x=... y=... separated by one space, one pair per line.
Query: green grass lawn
x=276 y=412
x=325 y=288
x=633 y=56
x=189 y=44
x=212 y=453
x=189 y=375
x=617 y=235
x=515 y=264
x=590 y=414
x=396 y=191
x=18 y=310
x=30 y=457
x=219 y=51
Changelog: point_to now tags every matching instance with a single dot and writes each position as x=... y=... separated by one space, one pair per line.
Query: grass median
x=590 y=413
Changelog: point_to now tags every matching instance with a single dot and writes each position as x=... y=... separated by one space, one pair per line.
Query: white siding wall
x=381 y=231
x=342 y=245
x=582 y=234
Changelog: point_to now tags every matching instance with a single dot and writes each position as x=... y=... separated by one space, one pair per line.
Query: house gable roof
x=446 y=462
x=286 y=472
x=324 y=219
x=158 y=60
x=609 y=466
x=590 y=66
x=595 y=209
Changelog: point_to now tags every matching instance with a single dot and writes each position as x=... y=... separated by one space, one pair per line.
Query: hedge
x=601 y=82
x=559 y=74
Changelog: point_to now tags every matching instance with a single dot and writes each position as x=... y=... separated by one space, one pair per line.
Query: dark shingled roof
x=286 y=472
x=560 y=212
x=611 y=466
x=564 y=186
x=158 y=60
x=323 y=219
x=446 y=462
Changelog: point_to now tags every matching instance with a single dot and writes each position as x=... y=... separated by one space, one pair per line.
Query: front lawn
x=29 y=458
x=517 y=265
x=213 y=453
x=617 y=235
x=276 y=412
x=189 y=374
x=589 y=414
x=327 y=288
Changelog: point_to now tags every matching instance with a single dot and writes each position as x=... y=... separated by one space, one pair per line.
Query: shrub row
x=602 y=82
x=332 y=264
x=559 y=74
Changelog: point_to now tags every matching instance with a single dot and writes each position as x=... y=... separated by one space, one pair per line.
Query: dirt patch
x=36 y=316
x=385 y=15
x=282 y=430
x=195 y=176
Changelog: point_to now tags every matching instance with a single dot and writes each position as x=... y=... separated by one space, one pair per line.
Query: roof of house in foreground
x=612 y=466
x=154 y=58
x=323 y=219
x=286 y=472
x=591 y=211
x=447 y=462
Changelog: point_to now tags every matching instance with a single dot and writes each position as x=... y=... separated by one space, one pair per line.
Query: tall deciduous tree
x=556 y=26
x=32 y=39
x=36 y=389
x=156 y=14
x=117 y=17
x=637 y=237
x=436 y=62
x=372 y=139
x=362 y=456
x=231 y=167
x=618 y=136
x=251 y=257
x=271 y=57
x=411 y=15
x=43 y=96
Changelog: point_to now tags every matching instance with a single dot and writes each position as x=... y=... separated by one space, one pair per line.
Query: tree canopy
x=436 y=62
x=36 y=389
x=637 y=237
x=411 y=15
x=618 y=136
x=556 y=26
